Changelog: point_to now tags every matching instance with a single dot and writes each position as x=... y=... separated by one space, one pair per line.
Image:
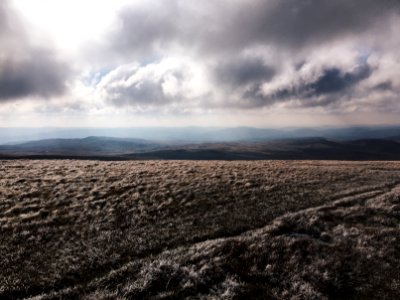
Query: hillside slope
x=89 y=146
x=128 y=149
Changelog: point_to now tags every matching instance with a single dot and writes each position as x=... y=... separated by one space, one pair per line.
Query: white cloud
x=169 y=82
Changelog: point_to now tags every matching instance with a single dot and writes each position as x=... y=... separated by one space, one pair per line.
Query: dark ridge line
x=155 y=158
x=62 y=157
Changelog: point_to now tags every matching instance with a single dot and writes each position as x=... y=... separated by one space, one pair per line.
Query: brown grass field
x=199 y=230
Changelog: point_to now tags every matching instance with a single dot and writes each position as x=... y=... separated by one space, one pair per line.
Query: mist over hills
x=198 y=134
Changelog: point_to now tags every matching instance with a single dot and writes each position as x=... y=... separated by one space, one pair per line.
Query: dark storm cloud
x=294 y=23
x=236 y=25
x=37 y=75
x=242 y=71
x=329 y=87
x=26 y=70
x=335 y=80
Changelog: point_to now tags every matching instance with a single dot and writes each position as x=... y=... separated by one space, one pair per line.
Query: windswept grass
x=203 y=230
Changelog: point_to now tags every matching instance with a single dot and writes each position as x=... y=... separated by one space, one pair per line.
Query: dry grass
x=164 y=230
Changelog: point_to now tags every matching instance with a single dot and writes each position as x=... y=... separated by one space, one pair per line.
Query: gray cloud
x=335 y=80
x=144 y=29
x=240 y=71
x=37 y=75
x=26 y=70
x=296 y=23
x=384 y=86
x=144 y=92
x=328 y=88
x=232 y=26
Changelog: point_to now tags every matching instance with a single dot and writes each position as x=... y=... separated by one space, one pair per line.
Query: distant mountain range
x=89 y=146
x=199 y=134
x=315 y=148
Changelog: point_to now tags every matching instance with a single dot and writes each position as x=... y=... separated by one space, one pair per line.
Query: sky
x=263 y=63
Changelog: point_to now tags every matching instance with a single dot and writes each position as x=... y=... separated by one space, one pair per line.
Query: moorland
x=199 y=229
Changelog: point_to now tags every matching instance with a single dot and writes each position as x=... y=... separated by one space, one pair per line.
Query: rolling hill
x=89 y=146
x=128 y=148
